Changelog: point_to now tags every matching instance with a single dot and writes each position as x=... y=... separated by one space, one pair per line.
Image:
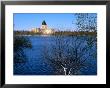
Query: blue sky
x=27 y=21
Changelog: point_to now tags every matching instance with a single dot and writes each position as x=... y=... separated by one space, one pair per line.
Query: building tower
x=44 y=25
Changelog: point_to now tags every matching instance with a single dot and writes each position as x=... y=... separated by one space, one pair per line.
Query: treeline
x=56 y=33
x=75 y=33
x=26 y=33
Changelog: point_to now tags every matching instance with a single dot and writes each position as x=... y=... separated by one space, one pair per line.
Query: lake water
x=37 y=65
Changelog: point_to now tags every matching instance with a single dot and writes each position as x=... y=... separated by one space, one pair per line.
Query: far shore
x=63 y=33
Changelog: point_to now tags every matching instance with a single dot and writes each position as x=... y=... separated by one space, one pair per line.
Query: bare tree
x=20 y=43
x=68 y=54
x=86 y=21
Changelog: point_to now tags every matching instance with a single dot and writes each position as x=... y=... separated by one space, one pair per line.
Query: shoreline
x=82 y=33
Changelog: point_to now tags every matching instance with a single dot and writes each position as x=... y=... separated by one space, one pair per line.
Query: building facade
x=44 y=29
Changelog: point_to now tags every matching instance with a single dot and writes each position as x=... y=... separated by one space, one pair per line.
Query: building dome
x=44 y=23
